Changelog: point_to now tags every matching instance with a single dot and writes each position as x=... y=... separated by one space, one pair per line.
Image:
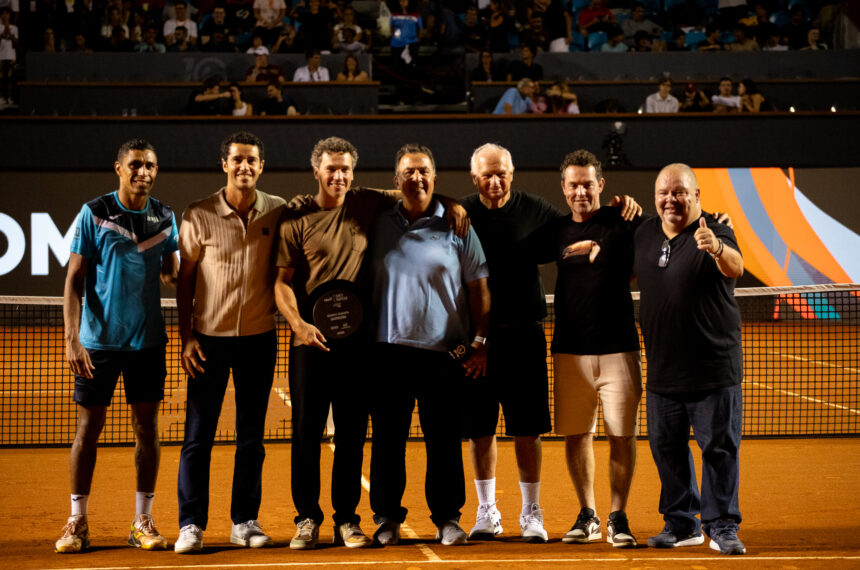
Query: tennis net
x=801 y=372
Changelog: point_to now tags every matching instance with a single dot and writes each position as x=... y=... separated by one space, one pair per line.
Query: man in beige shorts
x=595 y=346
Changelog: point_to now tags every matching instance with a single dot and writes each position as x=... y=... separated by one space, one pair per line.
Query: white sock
x=143 y=502
x=486 y=491
x=531 y=495
x=79 y=505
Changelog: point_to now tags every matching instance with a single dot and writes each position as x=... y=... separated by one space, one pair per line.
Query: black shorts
x=517 y=380
x=143 y=374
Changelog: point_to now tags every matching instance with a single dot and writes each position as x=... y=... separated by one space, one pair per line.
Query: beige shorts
x=579 y=380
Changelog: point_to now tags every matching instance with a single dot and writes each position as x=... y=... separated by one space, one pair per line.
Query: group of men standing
x=424 y=280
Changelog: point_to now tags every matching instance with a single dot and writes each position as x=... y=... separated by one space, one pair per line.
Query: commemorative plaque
x=337 y=309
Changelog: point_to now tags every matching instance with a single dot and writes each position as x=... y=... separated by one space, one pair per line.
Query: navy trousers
x=252 y=360
x=433 y=379
x=715 y=416
x=319 y=379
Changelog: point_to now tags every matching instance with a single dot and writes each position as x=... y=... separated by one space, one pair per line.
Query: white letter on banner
x=44 y=235
x=17 y=244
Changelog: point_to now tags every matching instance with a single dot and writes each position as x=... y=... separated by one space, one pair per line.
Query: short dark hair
x=133 y=144
x=241 y=137
x=312 y=52
x=333 y=145
x=212 y=81
x=582 y=157
x=413 y=148
x=724 y=78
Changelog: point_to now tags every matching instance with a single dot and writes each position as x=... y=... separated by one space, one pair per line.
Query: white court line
x=807 y=398
x=405 y=529
x=818 y=362
x=468 y=561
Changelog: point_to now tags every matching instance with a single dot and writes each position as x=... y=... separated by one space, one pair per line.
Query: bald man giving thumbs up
x=687 y=265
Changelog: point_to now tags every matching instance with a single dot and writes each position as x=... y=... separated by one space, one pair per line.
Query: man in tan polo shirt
x=227 y=322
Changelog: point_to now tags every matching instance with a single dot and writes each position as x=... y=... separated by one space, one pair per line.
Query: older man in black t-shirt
x=687 y=265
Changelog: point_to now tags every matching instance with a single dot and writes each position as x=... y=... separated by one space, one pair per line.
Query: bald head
x=676 y=196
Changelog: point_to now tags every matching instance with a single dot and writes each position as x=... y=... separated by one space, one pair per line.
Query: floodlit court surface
x=799 y=498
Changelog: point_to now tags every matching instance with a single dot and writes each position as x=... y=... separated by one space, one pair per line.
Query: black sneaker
x=670 y=539
x=618 y=531
x=585 y=529
x=725 y=539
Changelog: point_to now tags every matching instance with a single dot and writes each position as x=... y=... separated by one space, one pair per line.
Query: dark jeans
x=715 y=416
x=318 y=379
x=252 y=360
x=407 y=374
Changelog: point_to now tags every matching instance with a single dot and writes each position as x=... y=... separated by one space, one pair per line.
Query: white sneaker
x=190 y=539
x=307 y=535
x=532 y=525
x=249 y=534
x=488 y=523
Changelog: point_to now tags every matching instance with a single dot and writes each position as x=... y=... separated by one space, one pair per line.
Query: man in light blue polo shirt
x=431 y=297
x=517 y=100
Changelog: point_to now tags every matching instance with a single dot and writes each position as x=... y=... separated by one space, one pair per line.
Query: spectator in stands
x=662 y=101
x=352 y=70
x=241 y=108
x=240 y=19
x=317 y=22
x=487 y=69
x=262 y=71
x=112 y=20
x=794 y=33
x=256 y=43
x=275 y=104
x=350 y=44
x=287 y=41
x=712 y=40
x=79 y=44
x=679 y=41
x=637 y=22
x=534 y=34
x=752 y=101
x=501 y=24
x=560 y=100
x=181 y=42
x=642 y=42
x=812 y=37
x=731 y=11
x=725 y=101
x=150 y=43
x=743 y=41
x=210 y=100
x=616 y=42
x=8 y=54
x=773 y=41
x=526 y=66
x=219 y=41
x=14 y=11
x=473 y=31
x=313 y=70
x=695 y=100
x=406 y=27
x=49 y=41
x=218 y=21
x=557 y=23
x=180 y=19
x=348 y=23
x=118 y=41
x=596 y=18
x=517 y=100
x=270 y=19
x=140 y=22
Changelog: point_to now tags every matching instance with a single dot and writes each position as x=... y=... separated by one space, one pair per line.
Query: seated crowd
x=401 y=28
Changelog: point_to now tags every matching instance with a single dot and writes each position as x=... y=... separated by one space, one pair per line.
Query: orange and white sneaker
x=143 y=534
x=76 y=536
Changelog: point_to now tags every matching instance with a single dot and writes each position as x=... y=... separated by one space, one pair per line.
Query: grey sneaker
x=725 y=538
x=449 y=533
x=668 y=538
x=618 y=531
x=532 y=525
x=190 y=539
x=488 y=523
x=307 y=535
x=585 y=529
x=387 y=533
x=350 y=535
x=249 y=534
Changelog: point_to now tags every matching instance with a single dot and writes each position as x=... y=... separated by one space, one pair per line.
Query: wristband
x=719 y=252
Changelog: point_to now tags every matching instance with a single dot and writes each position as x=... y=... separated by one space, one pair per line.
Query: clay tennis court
x=799 y=497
